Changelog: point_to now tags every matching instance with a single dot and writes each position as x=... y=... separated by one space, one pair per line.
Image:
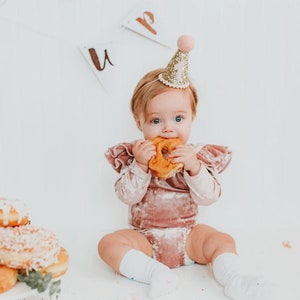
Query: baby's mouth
x=165 y=153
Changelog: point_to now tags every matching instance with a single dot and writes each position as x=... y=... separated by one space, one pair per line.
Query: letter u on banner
x=95 y=59
x=100 y=57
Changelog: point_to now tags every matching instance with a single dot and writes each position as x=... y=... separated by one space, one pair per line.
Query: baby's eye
x=155 y=121
x=178 y=118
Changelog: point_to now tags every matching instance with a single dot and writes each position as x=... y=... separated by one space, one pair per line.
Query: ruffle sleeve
x=119 y=156
x=215 y=157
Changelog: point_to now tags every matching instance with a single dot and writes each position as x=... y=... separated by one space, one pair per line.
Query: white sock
x=138 y=266
x=237 y=286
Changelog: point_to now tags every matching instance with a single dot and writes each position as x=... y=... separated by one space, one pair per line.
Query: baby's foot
x=247 y=288
x=163 y=283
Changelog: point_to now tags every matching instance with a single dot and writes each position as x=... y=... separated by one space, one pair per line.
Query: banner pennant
x=100 y=57
x=151 y=21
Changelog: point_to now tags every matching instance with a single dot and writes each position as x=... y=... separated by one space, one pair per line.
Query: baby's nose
x=168 y=128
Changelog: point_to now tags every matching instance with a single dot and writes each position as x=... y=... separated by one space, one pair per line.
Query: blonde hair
x=149 y=87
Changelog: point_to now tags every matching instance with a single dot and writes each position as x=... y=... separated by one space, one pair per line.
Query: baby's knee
x=104 y=243
x=227 y=239
x=221 y=240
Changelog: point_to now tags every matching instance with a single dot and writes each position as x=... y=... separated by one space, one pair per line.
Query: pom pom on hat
x=185 y=43
x=175 y=74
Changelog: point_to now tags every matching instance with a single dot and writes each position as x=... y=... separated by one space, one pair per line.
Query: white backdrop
x=56 y=119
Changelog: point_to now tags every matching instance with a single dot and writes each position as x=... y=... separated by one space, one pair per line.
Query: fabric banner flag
x=100 y=57
x=151 y=19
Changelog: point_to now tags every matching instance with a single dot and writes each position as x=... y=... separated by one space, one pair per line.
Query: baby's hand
x=186 y=154
x=142 y=151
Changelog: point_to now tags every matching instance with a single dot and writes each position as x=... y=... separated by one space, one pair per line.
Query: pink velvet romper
x=165 y=210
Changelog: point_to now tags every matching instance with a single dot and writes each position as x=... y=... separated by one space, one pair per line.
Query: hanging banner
x=100 y=57
x=156 y=21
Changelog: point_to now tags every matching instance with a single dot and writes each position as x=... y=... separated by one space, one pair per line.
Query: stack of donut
x=24 y=247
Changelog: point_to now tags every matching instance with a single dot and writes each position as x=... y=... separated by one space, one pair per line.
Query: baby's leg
x=206 y=245
x=140 y=267
x=237 y=285
x=129 y=253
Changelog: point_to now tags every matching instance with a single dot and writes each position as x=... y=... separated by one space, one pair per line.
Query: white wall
x=56 y=120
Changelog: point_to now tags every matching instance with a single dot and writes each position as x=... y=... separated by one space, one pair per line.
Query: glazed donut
x=8 y=278
x=60 y=267
x=12 y=212
x=160 y=165
x=28 y=247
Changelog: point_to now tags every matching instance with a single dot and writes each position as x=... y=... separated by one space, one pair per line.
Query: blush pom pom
x=185 y=43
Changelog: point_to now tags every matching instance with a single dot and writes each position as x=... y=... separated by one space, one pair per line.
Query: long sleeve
x=132 y=184
x=204 y=187
x=133 y=181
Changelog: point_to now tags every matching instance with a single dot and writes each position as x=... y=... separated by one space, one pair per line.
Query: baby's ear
x=137 y=122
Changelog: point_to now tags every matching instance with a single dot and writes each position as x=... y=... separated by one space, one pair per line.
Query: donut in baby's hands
x=161 y=165
x=12 y=212
x=8 y=278
x=28 y=247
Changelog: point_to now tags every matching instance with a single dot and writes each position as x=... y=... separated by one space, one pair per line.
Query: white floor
x=88 y=278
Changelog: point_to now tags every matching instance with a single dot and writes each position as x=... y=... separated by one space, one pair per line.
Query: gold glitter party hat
x=175 y=74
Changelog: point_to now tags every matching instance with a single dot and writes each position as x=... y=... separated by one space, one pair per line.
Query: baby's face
x=169 y=116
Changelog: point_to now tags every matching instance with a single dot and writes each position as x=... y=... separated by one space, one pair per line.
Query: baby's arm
x=132 y=184
x=204 y=187
x=134 y=179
